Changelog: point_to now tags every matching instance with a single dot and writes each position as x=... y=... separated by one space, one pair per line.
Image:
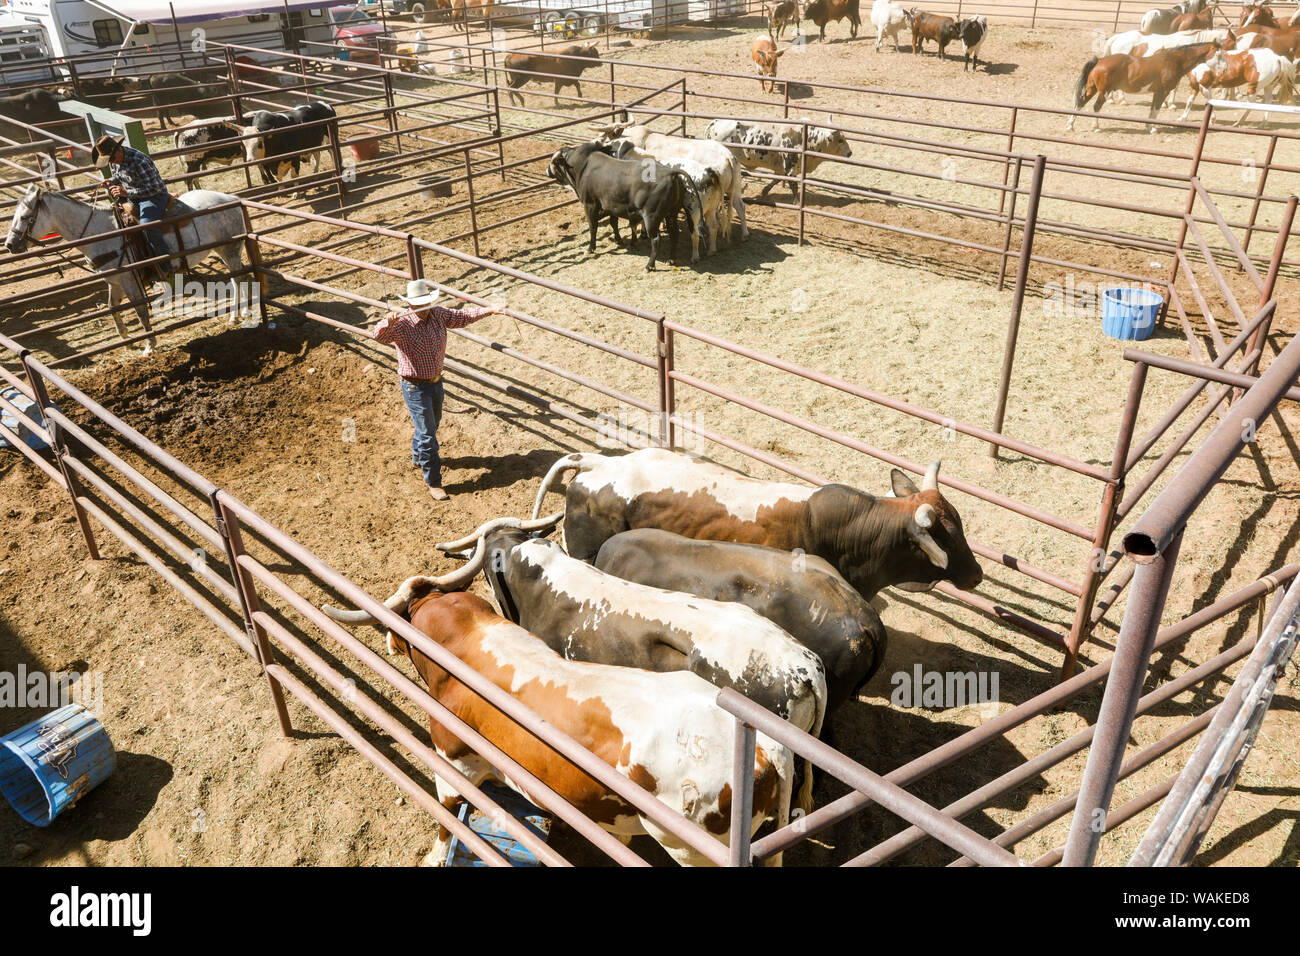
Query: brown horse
x=1202 y=20
x=1159 y=73
x=1256 y=15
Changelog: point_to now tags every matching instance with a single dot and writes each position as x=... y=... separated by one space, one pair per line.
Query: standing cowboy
x=133 y=176
x=420 y=335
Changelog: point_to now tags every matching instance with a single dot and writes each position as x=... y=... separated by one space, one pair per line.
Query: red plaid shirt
x=420 y=336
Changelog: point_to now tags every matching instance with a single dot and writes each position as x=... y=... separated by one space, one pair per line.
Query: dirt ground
x=305 y=425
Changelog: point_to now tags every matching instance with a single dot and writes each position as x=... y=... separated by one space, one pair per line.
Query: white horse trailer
x=124 y=31
x=580 y=18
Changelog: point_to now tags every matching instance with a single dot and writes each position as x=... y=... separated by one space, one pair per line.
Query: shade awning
x=190 y=11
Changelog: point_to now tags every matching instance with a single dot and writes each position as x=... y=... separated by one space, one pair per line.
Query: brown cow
x=663 y=731
x=822 y=12
x=781 y=16
x=764 y=53
x=913 y=540
x=564 y=67
x=928 y=26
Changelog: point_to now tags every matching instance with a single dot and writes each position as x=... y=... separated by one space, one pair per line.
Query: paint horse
x=1160 y=73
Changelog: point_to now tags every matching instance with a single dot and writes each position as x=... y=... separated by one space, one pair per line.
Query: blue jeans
x=151 y=209
x=424 y=402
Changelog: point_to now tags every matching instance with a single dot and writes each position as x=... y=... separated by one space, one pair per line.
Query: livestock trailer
x=124 y=31
x=575 y=18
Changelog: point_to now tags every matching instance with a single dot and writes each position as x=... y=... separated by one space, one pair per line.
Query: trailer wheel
x=572 y=25
x=417 y=12
x=553 y=23
x=592 y=26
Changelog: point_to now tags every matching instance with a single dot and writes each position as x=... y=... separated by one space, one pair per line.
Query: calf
x=208 y=143
x=662 y=731
x=564 y=70
x=753 y=144
x=781 y=16
x=621 y=189
x=822 y=12
x=801 y=594
x=913 y=541
x=888 y=18
x=764 y=53
x=928 y=26
x=286 y=137
x=972 y=31
x=706 y=152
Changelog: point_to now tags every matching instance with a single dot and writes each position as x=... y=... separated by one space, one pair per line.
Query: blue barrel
x=1128 y=313
x=16 y=424
x=53 y=762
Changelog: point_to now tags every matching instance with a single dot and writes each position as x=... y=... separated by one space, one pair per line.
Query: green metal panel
x=100 y=121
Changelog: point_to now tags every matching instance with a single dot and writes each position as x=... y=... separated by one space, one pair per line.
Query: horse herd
x=1257 y=56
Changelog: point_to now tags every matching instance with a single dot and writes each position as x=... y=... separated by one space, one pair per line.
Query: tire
x=572 y=25
x=552 y=24
x=591 y=26
x=417 y=12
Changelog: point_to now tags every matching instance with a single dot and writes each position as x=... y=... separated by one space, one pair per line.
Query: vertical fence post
x=1111 y=496
x=237 y=106
x=612 y=99
x=803 y=184
x=541 y=24
x=414 y=262
x=785 y=109
x=683 y=125
x=1033 y=20
x=1011 y=218
x=661 y=368
x=469 y=189
x=1018 y=297
x=255 y=260
x=1259 y=192
x=228 y=527
x=336 y=152
x=391 y=111
x=1128 y=673
x=742 y=795
x=1191 y=197
x=1115 y=28
x=1006 y=167
x=670 y=386
x=60 y=449
x=1260 y=338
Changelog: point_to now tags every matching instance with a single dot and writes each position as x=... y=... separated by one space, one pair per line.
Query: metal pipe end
x=1141 y=548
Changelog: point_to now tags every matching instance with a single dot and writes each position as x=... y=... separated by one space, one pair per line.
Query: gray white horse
x=42 y=212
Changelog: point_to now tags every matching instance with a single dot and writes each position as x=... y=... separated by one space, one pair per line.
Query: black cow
x=285 y=137
x=165 y=91
x=32 y=107
x=618 y=188
x=972 y=31
x=210 y=143
x=802 y=594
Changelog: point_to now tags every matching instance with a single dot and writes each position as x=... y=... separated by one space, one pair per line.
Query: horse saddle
x=176 y=215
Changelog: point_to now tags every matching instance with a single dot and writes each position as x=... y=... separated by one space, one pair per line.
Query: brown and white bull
x=664 y=732
x=913 y=540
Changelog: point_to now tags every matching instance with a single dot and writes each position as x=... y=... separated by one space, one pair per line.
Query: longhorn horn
x=400 y=598
x=487 y=527
x=931 y=481
x=922 y=520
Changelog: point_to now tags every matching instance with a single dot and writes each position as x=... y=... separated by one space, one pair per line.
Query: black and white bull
x=208 y=143
x=753 y=144
x=650 y=193
x=802 y=594
x=972 y=31
x=589 y=615
x=913 y=540
x=280 y=141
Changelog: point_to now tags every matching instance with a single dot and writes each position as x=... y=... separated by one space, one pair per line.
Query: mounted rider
x=133 y=176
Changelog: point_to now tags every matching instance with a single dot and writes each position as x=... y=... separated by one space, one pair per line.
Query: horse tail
x=1081 y=87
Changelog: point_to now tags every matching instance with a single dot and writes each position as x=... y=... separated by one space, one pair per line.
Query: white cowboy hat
x=420 y=292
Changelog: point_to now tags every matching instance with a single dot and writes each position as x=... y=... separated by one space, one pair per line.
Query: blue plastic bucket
x=16 y=424
x=1128 y=313
x=53 y=762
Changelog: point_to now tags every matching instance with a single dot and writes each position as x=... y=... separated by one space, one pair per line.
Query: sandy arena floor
x=204 y=777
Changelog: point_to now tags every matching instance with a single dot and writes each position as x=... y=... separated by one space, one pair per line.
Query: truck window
x=108 y=33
